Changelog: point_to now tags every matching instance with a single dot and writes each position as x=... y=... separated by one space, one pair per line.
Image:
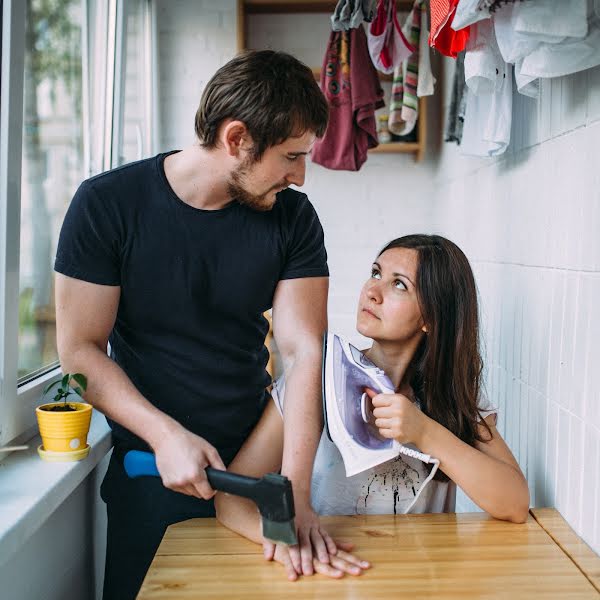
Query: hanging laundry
x=458 y=100
x=541 y=38
x=486 y=130
x=527 y=85
x=551 y=21
x=492 y=5
x=488 y=113
x=547 y=39
x=442 y=37
x=388 y=46
x=485 y=68
x=349 y=14
x=513 y=46
x=353 y=90
x=404 y=106
x=468 y=12
x=565 y=58
x=569 y=56
x=426 y=80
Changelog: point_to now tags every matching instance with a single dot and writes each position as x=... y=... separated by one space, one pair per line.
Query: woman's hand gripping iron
x=346 y=374
x=272 y=494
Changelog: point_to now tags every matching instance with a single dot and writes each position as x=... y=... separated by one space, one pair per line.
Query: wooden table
x=413 y=556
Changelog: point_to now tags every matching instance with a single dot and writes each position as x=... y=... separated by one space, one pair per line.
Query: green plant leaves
x=50 y=386
x=64 y=391
x=81 y=379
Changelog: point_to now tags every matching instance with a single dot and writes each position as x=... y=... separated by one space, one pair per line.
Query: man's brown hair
x=272 y=93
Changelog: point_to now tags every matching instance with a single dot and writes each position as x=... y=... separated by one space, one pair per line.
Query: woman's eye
x=399 y=284
x=292 y=158
x=375 y=274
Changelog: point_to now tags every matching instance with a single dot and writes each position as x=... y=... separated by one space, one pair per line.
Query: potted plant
x=64 y=424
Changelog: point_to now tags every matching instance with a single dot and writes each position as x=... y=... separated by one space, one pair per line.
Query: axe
x=271 y=493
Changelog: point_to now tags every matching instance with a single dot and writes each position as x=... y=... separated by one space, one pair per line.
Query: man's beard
x=237 y=191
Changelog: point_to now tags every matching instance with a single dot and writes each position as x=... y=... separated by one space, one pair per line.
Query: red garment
x=352 y=88
x=442 y=37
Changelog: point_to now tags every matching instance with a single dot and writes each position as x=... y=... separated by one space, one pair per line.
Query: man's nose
x=297 y=175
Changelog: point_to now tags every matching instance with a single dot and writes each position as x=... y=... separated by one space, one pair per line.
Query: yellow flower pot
x=65 y=432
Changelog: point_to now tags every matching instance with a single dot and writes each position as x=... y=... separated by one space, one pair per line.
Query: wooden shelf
x=395 y=147
x=382 y=76
x=308 y=6
x=284 y=6
x=249 y=7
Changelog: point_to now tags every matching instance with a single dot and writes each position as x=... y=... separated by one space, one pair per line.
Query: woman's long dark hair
x=445 y=373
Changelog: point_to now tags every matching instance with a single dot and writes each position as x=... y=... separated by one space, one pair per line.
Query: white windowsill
x=32 y=489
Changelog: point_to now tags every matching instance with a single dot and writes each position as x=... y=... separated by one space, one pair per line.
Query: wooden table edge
x=561 y=533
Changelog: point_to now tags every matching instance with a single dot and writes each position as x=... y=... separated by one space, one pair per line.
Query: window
x=76 y=91
x=133 y=94
x=52 y=167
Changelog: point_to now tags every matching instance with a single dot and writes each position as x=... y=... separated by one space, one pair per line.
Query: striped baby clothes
x=404 y=106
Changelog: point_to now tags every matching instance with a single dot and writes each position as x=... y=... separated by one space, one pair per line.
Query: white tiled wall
x=529 y=222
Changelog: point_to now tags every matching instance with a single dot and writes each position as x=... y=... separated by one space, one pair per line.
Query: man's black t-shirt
x=194 y=283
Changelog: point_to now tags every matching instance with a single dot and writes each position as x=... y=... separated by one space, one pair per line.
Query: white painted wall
x=195 y=38
x=528 y=221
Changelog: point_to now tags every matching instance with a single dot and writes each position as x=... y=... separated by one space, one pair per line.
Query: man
x=173 y=260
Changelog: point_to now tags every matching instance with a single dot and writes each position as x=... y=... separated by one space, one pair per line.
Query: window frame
x=14 y=407
x=18 y=400
x=105 y=45
x=146 y=136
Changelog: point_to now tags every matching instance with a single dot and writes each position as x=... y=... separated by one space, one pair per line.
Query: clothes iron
x=346 y=374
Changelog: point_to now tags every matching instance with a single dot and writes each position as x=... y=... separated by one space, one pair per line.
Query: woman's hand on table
x=313 y=541
x=337 y=566
x=316 y=552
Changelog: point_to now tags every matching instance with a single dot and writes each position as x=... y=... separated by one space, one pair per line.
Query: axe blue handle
x=272 y=493
x=138 y=463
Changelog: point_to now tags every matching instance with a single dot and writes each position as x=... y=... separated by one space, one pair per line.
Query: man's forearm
x=112 y=393
x=303 y=422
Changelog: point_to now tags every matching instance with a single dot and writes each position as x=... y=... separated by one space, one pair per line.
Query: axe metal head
x=275 y=502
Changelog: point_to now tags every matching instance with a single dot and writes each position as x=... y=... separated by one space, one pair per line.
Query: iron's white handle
x=363 y=407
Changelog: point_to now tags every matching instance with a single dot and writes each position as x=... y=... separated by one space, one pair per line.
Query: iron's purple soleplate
x=350 y=379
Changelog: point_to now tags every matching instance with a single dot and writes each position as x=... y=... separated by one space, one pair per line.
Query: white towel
x=551 y=21
x=545 y=38
x=572 y=56
x=513 y=46
x=467 y=13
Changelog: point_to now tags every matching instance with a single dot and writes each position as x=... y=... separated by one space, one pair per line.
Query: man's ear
x=235 y=138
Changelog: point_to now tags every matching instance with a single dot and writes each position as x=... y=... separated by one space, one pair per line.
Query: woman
x=419 y=307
